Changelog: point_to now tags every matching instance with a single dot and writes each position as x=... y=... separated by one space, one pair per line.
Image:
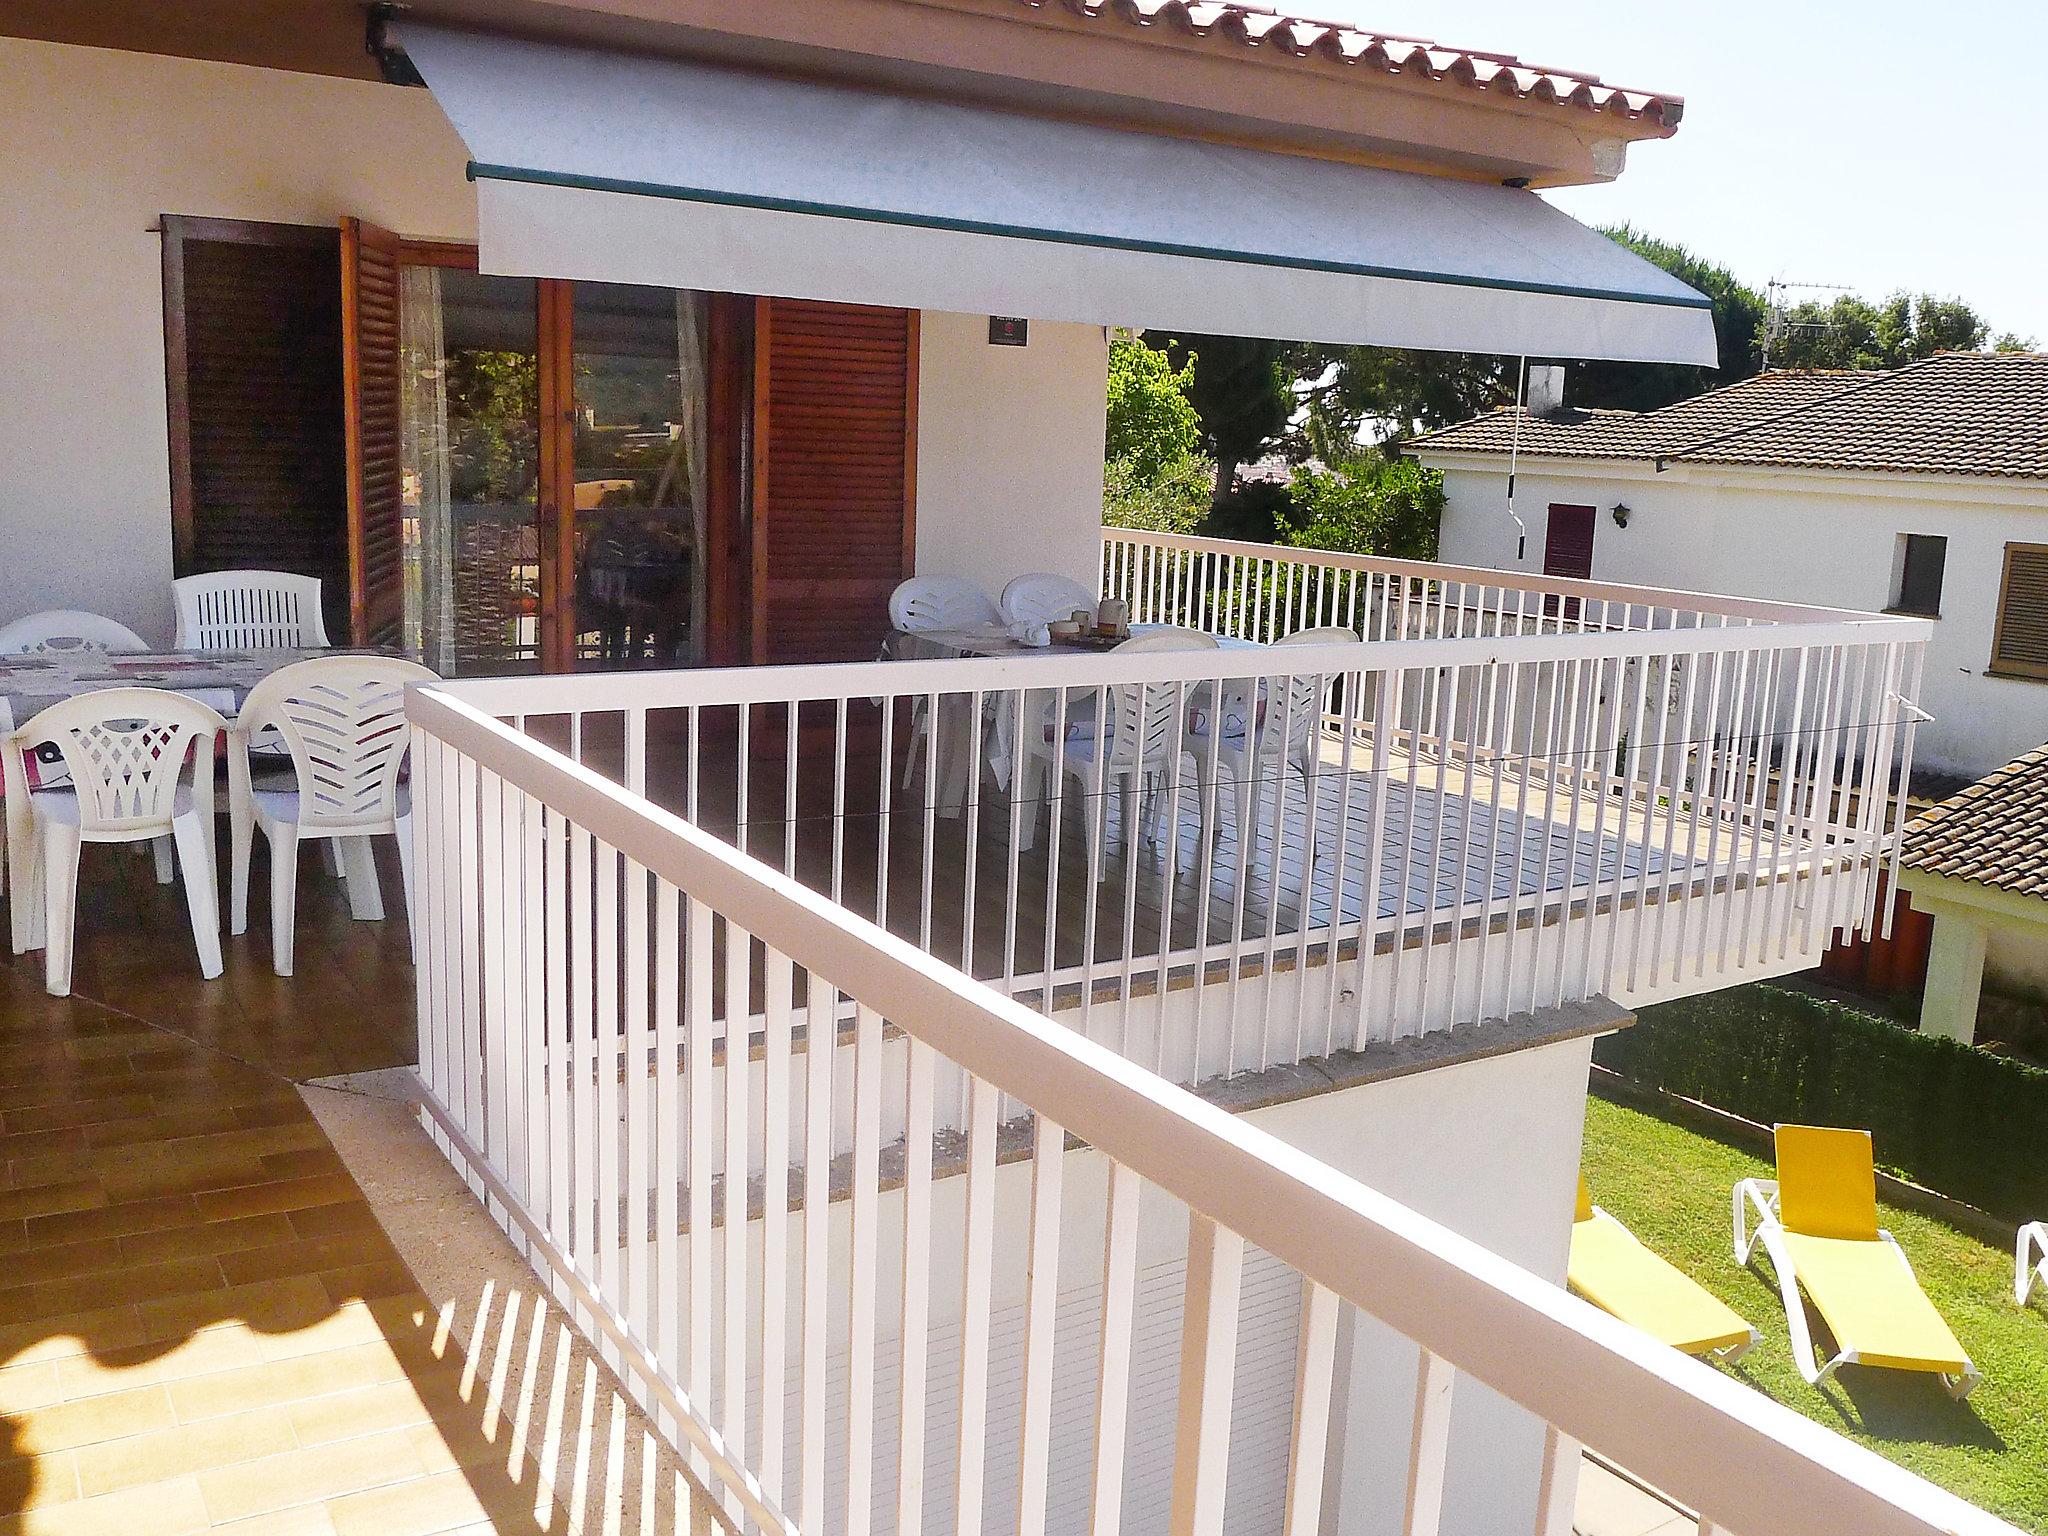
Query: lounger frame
x=1761 y=1196
x=2029 y=1260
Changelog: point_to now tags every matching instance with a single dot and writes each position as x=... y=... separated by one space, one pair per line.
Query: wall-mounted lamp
x=1621 y=514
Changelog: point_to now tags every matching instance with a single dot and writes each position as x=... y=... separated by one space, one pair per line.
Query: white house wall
x=1825 y=539
x=1009 y=450
x=96 y=144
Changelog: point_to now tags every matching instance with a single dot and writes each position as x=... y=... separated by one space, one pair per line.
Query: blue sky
x=1874 y=143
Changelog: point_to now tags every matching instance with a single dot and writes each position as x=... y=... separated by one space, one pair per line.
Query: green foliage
x=1739 y=314
x=1850 y=331
x=1368 y=505
x=1153 y=473
x=1393 y=392
x=1176 y=500
x=1669 y=1185
x=1153 y=426
x=1242 y=390
x=1943 y=1114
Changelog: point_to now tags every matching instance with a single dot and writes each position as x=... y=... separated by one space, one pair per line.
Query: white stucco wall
x=94 y=145
x=1009 y=450
x=1009 y=441
x=1826 y=539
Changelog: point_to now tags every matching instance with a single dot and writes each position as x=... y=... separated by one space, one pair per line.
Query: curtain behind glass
x=693 y=367
x=423 y=445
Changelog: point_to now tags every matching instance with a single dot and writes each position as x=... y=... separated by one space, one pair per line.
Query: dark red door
x=1568 y=550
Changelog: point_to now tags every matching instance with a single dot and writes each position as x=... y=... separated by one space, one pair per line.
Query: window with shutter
x=2019 y=645
x=375 y=543
x=835 y=412
x=1567 y=551
x=253 y=384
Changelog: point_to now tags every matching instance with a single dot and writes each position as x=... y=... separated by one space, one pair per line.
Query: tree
x=1242 y=388
x=1849 y=331
x=1370 y=505
x=1152 y=425
x=1739 y=316
x=1153 y=473
x=1393 y=392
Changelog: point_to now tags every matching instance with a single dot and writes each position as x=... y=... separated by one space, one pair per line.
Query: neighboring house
x=1979 y=863
x=673 y=336
x=1923 y=490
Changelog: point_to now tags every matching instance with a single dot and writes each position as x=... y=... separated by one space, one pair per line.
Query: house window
x=1916 y=587
x=2019 y=645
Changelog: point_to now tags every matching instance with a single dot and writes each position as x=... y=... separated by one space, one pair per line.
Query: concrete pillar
x=1955 y=973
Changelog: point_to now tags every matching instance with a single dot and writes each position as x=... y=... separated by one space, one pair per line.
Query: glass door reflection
x=639 y=458
x=470 y=444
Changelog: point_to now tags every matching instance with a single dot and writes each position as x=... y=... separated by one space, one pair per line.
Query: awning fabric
x=626 y=168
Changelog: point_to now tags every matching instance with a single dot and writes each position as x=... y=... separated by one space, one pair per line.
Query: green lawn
x=1671 y=1186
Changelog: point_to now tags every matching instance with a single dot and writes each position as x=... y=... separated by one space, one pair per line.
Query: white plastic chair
x=248 y=611
x=126 y=751
x=940 y=602
x=60 y=631
x=923 y=603
x=1281 y=730
x=1040 y=597
x=1146 y=739
x=342 y=718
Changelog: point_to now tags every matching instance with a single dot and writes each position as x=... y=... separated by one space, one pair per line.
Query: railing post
x=1429 y=1445
x=1208 y=1361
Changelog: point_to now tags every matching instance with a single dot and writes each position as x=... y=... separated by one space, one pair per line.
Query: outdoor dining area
x=106 y=740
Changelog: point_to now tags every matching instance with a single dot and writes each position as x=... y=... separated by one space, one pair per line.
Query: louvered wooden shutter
x=835 y=400
x=2021 y=642
x=376 y=510
x=1567 y=551
x=253 y=380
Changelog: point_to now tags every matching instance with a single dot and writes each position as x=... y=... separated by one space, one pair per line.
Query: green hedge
x=1956 y=1119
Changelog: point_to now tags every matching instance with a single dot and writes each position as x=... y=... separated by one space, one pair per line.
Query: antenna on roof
x=1776 y=326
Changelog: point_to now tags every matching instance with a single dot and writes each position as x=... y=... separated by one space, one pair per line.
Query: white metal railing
x=573 y=943
x=1261 y=592
x=1474 y=825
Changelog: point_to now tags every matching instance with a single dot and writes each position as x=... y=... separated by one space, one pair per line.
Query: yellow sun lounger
x=1818 y=1222
x=1611 y=1268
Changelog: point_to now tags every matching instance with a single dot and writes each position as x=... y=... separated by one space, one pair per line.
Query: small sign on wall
x=1008 y=331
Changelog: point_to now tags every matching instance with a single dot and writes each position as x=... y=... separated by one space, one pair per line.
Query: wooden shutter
x=376 y=507
x=1567 y=551
x=2020 y=642
x=834 y=476
x=253 y=382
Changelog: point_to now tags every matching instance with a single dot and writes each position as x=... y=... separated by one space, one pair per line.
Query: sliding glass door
x=554 y=461
x=639 y=464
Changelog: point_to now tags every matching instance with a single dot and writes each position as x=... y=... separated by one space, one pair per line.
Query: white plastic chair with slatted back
x=125 y=751
x=61 y=632
x=67 y=631
x=248 y=611
x=1281 y=730
x=342 y=719
x=1039 y=597
x=919 y=605
x=1147 y=737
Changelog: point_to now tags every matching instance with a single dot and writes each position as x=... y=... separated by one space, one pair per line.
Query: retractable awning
x=634 y=169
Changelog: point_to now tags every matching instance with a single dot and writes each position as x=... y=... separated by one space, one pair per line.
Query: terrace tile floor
x=202 y=1324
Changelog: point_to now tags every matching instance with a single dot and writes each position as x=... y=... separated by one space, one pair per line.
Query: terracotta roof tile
x=1665 y=433
x=1994 y=833
x=1259 y=26
x=1956 y=413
